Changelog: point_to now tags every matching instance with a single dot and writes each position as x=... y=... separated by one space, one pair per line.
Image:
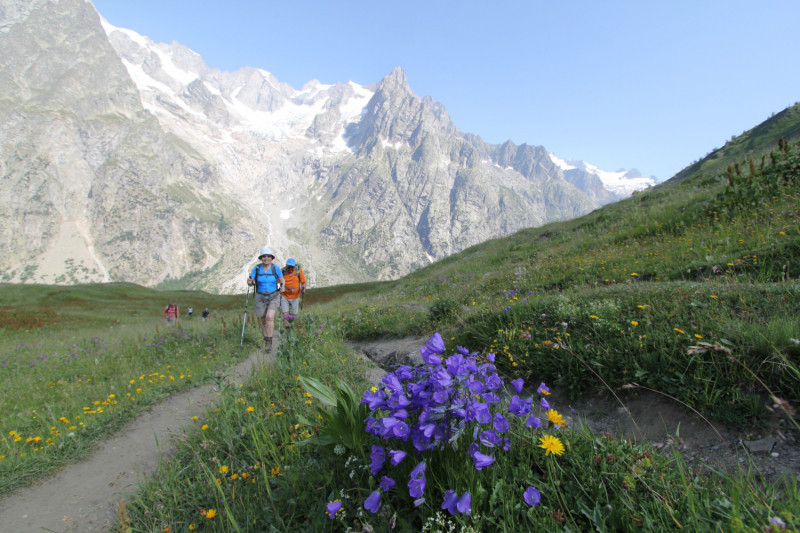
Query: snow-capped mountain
x=125 y=159
x=621 y=182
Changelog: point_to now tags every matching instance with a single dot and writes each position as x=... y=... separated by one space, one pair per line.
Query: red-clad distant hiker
x=269 y=283
x=295 y=286
x=171 y=314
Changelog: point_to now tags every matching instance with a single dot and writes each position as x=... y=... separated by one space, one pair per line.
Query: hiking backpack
x=271 y=272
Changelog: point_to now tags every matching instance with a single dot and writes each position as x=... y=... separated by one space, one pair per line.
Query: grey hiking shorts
x=267 y=301
x=290 y=305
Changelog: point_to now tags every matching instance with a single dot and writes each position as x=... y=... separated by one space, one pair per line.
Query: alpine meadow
x=687 y=290
x=439 y=335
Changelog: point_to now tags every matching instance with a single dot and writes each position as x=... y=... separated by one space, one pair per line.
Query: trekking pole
x=280 y=314
x=244 y=321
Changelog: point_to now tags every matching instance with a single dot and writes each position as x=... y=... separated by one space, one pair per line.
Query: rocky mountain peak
x=395 y=80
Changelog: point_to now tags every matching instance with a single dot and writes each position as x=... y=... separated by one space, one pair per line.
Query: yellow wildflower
x=552 y=445
x=555 y=418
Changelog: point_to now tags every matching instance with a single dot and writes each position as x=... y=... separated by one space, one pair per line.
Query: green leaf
x=319 y=391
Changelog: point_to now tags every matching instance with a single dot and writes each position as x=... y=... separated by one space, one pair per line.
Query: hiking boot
x=268 y=344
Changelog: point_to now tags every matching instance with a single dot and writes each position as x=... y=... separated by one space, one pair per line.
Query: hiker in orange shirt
x=295 y=286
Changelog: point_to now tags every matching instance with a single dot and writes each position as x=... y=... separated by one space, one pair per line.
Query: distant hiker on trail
x=206 y=312
x=295 y=286
x=269 y=283
x=190 y=312
x=171 y=314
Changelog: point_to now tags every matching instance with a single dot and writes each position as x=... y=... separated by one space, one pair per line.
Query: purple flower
x=542 y=389
x=490 y=438
x=403 y=373
x=397 y=456
x=500 y=423
x=506 y=444
x=332 y=508
x=419 y=469
x=416 y=487
x=374 y=400
x=518 y=384
x=429 y=358
x=532 y=496
x=387 y=483
x=435 y=344
x=418 y=502
x=473 y=449
x=373 y=503
x=545 y=405
x=490 y=357
x=491 y=397
x=481 y=413
x=519 y=407
x=450 y=502
x=475 y=387
x=493 y=382
x=481 y=461
x=442 y=395
x=378 y=456
x=465 y=503
x=533 y=422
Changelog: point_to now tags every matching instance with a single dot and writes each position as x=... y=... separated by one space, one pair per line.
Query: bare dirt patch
x=84 y=497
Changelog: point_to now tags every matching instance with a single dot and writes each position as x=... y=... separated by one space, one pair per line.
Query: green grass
x=755 y=142
x=78 y=362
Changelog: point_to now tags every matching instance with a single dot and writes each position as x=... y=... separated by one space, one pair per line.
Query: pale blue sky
x=617 y=83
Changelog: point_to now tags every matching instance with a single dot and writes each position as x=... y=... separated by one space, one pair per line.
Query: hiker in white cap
x=269 y=283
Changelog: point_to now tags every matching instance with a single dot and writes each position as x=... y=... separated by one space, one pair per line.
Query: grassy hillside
x=756 y=142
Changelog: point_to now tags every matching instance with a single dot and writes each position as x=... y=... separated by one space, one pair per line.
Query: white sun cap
x=266 y=251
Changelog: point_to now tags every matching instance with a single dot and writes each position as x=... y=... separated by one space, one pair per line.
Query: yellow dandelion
x=204 y=427
x=593 y=316
x=251 y=409
x=698 y=336
x=634 y=323
x=192 y=527
x=555 y=418
x=223 y=470
x=211 y=513
x=552 y=445
x=234 y=477
x=678 y=330
x=275 y=471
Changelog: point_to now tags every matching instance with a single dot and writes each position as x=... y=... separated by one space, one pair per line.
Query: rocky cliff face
x=86 y=170
x=125 y=159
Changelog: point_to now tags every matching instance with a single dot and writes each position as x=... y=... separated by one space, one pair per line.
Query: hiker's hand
x=251 y=281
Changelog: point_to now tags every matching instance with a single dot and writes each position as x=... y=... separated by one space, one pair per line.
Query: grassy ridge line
x=71 y=380
x=754 y=142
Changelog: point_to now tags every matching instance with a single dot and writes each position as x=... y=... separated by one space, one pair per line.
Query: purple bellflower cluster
x=431 y=407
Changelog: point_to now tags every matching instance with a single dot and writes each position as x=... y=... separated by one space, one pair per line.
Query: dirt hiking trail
x=84 y=497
